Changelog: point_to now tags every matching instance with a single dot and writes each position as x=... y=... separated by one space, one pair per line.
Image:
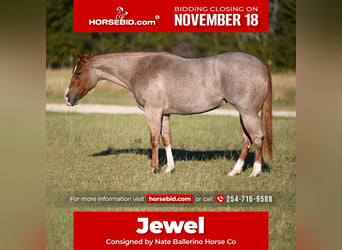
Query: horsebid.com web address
x=185 y=20
x=117 y=22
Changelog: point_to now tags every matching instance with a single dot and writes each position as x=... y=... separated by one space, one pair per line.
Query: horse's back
x=186 y=86
x=192 y=85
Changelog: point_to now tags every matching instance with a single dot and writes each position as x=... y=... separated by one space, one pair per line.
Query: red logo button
x=220 y=198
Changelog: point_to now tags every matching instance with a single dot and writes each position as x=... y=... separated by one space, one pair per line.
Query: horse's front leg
x=153 y=118
x=166 y=138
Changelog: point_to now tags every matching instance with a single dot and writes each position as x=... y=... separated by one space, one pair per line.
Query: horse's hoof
x=169 y=169
x=237 y=168
x=152 y=170
x=255 y=174
x=234 y=172
x=256 y=170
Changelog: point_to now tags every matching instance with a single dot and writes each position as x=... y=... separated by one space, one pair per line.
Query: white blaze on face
x=67 y=90
x=73 y=72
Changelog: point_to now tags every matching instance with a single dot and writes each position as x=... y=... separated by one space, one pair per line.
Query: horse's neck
x=118 y=68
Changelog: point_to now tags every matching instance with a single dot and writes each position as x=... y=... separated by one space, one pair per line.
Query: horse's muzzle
x=70 y=100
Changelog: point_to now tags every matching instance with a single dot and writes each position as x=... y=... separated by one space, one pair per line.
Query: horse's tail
x=266 y=119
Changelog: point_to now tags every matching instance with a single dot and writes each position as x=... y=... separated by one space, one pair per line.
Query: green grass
x=112 y=153
x=284 y=90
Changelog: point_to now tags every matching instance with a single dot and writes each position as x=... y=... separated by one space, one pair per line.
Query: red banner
x=187 y=230
x=171 y=16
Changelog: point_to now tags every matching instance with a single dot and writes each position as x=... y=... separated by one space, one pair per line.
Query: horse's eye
x=78 y=73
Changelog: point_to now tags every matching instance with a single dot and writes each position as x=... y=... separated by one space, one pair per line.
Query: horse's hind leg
x=246 y=142
x=252 y=127
x=153 y=118
x=166 y=138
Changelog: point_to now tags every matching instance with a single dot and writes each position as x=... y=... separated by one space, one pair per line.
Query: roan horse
x=165 y=84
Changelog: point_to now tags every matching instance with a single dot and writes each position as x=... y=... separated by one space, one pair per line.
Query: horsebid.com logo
x=120 y=20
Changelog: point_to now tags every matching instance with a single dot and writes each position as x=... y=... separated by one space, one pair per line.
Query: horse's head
x=83 y=79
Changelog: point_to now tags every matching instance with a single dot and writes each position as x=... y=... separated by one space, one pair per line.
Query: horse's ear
x=81 y=56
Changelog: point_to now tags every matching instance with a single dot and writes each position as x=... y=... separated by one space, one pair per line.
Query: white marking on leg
x=256 y=169
x=169 y=157
x=237 y=168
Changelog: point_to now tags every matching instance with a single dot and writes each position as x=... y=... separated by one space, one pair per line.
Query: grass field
x=109 y=153
x=284 y=90
x=112 y=153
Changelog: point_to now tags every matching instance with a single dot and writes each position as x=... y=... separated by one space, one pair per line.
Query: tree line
x=277 y=48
